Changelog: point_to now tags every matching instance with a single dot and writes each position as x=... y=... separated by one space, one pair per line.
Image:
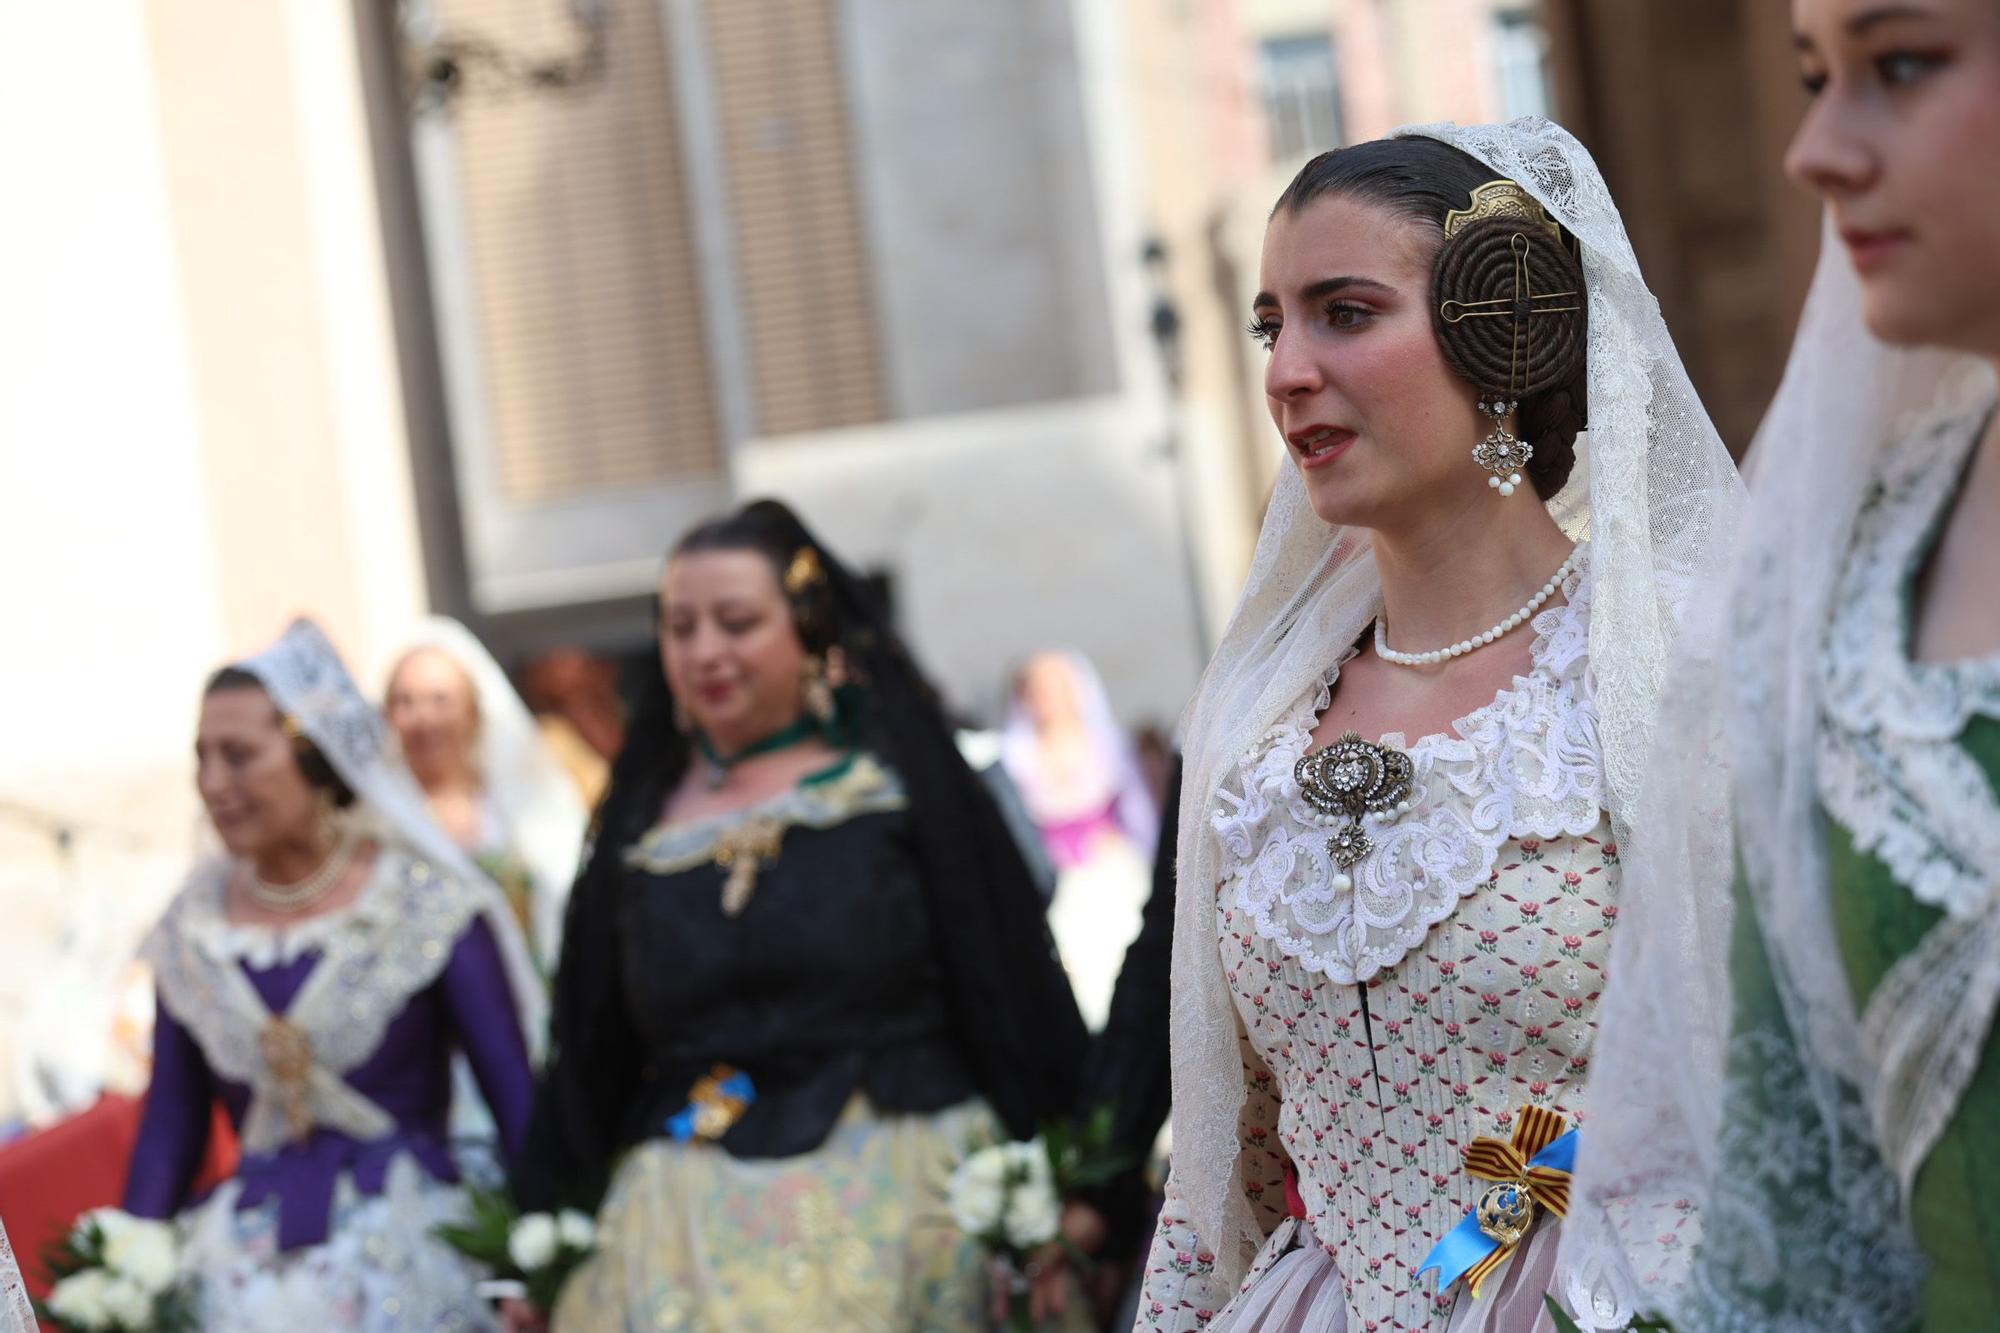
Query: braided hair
x=1425 y=180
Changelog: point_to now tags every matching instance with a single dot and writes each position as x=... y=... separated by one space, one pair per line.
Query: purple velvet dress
x=340 y=1183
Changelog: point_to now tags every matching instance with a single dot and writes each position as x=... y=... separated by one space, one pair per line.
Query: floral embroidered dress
x=1386 y=1027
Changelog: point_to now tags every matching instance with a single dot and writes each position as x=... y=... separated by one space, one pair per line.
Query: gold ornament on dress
x=1506 y=1211
x=287 y=1052
x=743 y=851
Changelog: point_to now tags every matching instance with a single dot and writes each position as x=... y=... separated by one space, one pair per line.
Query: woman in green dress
x=1804 y=1044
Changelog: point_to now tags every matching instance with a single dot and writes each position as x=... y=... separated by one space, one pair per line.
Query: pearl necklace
x=1464 y=646
x=289 y=899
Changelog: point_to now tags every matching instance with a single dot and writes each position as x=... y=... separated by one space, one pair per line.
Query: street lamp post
x=1165 y=324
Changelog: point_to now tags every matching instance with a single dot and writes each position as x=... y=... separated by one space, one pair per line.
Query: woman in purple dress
x=315 y=974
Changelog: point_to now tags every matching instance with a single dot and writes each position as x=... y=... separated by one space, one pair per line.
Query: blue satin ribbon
x=1466 y=1245
x=681 y=1124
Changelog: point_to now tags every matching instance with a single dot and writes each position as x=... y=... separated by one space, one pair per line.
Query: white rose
x=1031 y=1162
x=1034 y=1215
x=110 y=1222
x=578 y=1232
x=532 y=1242
x=80 y=1299
x=146 y=1253
x=129 y=1304
x=978 y=1191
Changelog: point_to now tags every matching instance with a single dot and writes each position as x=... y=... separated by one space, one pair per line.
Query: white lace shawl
x=394 y=941
x=17 y=1314
x=1891 y=770
x=1802 y=1198
x=1653 y=486
x=1524 y=765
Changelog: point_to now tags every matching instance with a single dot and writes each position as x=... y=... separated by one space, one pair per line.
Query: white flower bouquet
x=116 y=1273
x=1009 y=1196
x=530 y=1255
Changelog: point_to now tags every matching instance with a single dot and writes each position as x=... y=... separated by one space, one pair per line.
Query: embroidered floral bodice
x=1388 y=1026
x=1891 y=770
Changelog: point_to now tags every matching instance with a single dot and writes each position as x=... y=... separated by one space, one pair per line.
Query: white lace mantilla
x=1526 y=765
x=1890 y=769
x=373 y=957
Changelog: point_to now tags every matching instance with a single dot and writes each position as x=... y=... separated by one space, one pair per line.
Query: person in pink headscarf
x=1079 y=775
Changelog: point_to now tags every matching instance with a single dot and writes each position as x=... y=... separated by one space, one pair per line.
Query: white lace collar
x=392 y=943
x=866 y=787
x=1525 y=765
x=1890 y=768
x=204 y=919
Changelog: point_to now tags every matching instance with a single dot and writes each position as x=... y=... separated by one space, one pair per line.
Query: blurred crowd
x=1018 y=855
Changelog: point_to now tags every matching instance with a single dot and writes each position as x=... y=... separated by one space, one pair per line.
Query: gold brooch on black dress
x=1349 y=783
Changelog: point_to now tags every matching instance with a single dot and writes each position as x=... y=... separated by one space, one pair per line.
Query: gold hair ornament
x=1501 y=199
x=804 y=572
x=1503 y=454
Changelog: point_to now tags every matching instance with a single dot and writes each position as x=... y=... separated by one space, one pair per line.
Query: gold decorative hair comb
x=1501 y=199
x=804 y=572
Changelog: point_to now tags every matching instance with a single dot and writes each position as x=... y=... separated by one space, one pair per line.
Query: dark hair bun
x=1493 y=282
x=1534 y=348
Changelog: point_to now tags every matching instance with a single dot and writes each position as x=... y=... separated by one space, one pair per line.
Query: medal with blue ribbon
x=1531 y=1170
x=718 y=1100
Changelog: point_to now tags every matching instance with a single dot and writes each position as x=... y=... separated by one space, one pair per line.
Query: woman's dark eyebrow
x=1327 y=287
x=1860 y=24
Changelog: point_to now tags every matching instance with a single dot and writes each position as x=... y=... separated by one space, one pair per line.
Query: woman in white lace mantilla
x=314 y=976
x=490 y=781
x=1412 y=764
x=1807 y=1049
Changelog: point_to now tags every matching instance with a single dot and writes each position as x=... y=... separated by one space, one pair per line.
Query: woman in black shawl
x=803 y=968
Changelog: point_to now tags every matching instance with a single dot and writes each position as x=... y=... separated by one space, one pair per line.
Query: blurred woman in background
x=804 y=970
x=1079 y=774
x=490 y=782
x=314 y=975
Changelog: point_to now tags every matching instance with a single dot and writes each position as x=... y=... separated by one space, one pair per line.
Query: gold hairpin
x=1501 y=199
x=804 y=572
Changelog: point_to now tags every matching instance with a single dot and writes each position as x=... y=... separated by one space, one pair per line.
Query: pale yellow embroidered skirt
x=852 y=1236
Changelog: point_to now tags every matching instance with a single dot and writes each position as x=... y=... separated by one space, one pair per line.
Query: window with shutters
x=578 y=249
x=803 y=268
